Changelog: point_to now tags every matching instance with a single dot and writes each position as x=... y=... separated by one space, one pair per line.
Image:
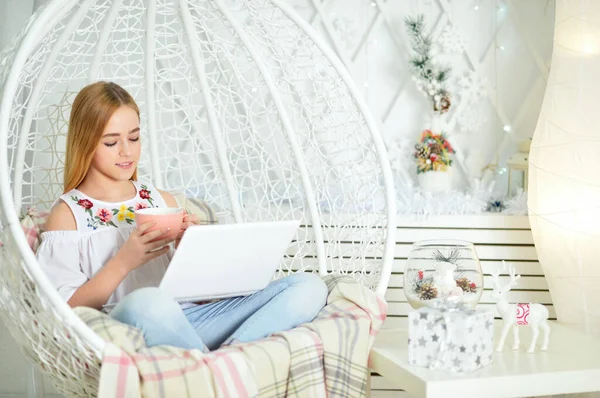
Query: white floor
x=15 y=371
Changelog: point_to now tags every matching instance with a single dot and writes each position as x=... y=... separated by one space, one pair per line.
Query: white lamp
x=564 y=168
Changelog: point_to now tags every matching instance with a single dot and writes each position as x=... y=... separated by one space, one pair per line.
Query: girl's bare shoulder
x=168 y=198
x=61 y=218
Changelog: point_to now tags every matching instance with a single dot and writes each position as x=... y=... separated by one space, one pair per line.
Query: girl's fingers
x=159 y=243
x=186 y=225
x=147 y=237
x=191 y=218
x=157 y=253
x=145 y=226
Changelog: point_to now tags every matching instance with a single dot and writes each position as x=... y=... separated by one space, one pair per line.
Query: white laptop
x=218 y=261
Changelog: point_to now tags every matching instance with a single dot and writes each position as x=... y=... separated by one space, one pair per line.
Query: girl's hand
x=139 y=248
x=188 y=221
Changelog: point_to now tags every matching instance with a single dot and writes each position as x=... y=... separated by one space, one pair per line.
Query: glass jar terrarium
x=438 y=269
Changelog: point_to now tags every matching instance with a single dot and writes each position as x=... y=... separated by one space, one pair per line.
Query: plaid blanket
x=32 y=223
x=325 y=358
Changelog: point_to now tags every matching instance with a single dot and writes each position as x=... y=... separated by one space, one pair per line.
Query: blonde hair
x=92 y=109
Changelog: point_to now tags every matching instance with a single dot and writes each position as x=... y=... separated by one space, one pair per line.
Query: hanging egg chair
x=242 y=106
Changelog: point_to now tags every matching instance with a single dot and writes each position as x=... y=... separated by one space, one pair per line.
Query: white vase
x=434 y=181
x=563 y=169
x=436 y=123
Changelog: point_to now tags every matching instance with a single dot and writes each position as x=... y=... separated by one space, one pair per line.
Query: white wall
x=13 y=15
x=508 y=43
x=13 y=367
x=15 y=370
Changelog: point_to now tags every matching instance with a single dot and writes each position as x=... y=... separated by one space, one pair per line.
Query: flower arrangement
x=432 y=153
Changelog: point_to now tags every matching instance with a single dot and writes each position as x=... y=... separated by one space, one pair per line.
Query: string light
x=507 y=128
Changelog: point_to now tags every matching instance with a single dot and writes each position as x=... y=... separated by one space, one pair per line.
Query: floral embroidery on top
x=140 y=205
x=86 y=204
x=145 y=194
x=99 y=214
x=103 y=216
x=124 y=213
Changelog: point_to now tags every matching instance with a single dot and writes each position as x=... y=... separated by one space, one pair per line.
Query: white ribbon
x=447 y=306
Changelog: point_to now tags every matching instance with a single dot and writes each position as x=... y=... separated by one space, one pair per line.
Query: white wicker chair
x=241 y=105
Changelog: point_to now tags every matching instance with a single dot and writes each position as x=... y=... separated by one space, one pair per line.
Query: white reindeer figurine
x=535 y=315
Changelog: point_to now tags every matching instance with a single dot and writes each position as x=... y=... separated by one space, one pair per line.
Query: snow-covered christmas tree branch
x=429 y=76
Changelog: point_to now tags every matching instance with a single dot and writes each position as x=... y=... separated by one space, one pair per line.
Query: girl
x=94 y=255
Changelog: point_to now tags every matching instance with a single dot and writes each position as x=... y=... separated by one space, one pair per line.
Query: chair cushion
x=125 y=336
x=32 y=223
x=196 y=206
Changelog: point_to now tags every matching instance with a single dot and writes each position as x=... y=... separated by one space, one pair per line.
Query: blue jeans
x=282 y=305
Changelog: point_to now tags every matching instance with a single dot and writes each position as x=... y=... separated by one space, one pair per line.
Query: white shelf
x=571 y=365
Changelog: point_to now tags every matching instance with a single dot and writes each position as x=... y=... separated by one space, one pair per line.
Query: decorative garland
x=429 y=76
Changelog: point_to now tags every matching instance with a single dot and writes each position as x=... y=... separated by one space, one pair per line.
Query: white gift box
x=460 y=340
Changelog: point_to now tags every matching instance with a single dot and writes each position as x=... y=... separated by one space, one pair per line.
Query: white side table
x=571 y=365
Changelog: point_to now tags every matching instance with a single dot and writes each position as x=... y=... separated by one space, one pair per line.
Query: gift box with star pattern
x=456 y=339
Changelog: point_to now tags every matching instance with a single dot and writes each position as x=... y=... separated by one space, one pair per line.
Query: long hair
x=92 y=109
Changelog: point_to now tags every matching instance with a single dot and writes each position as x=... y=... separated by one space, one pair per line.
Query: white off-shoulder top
x=71 y=258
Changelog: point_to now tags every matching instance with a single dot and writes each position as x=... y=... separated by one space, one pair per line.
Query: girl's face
x=118 y=152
